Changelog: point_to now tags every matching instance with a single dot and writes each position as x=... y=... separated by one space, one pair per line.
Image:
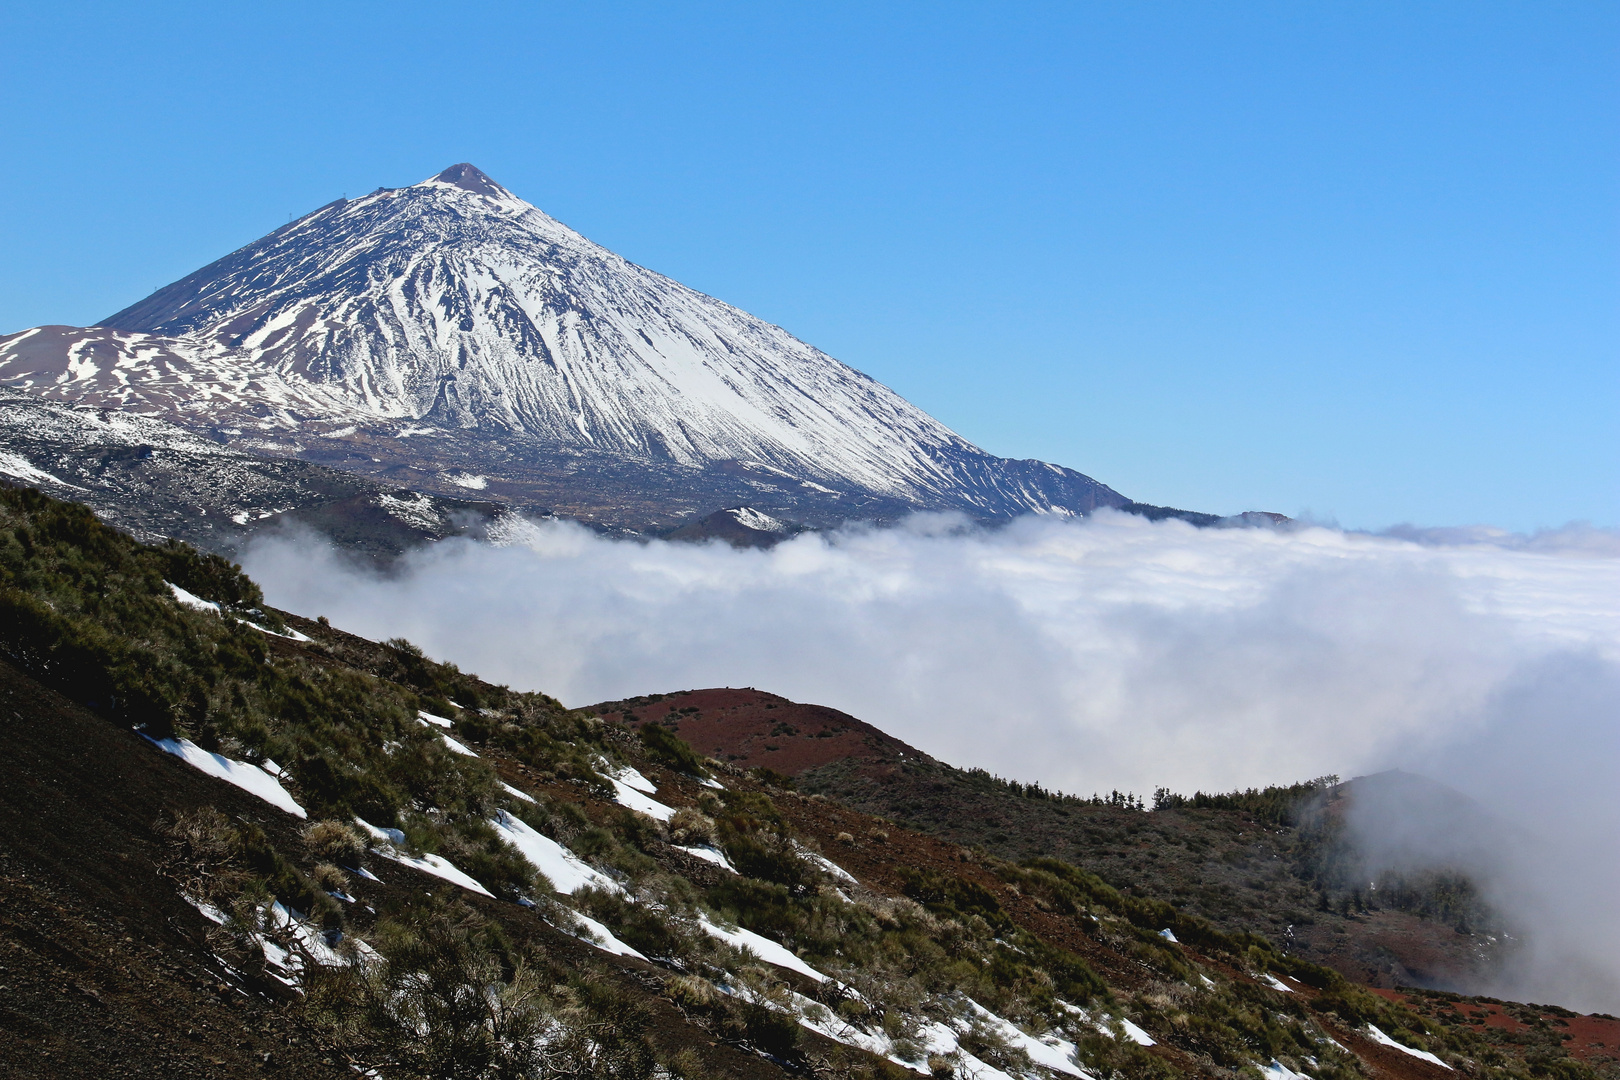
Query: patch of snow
x=467 y=480
x=1278 y=1071
x=1135 y=1034
x=567 y=872
x=418 y=512
x=390 y=836
x=1275 y=983
x=1132 y=1032
x=708 y=854
x=828 y=866
x=940 y=1039
x=749 y=518
x=515 y=793
x=458 y=747
x=1168 y=935
x=1052 y=1052
x=633 y=779
x=625 y=795
x=1209 y=984
x=282 y=918
x=427 y=862
x=429 y=720
x=822 y=1020
x=762 y=947
x=252 y=780
x=23 y=469
x=270 y=767
x=710 y=782
x=209 y=911
x=818 y=1018
x=290 y=635
x=1379 y=1037
x=437 y=721
x=304 y=939
x=592 y=932
x=195 y=603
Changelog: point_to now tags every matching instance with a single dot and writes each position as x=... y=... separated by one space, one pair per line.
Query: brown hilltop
x=753 y=729
x=1241 y=872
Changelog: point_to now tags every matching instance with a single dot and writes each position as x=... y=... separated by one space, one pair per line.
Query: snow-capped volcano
x=460 y=318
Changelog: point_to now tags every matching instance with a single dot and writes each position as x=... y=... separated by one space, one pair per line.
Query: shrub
x=771 y=778
x=691 y=826
x=670 y=750
x=335 y=842
x=329 y=877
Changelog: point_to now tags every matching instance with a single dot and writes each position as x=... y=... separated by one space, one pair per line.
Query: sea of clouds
x=1096 y=654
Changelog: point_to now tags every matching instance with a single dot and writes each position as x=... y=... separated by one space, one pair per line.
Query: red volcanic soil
x=752 y=729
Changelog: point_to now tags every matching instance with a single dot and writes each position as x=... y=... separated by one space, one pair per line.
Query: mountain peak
x=470 y=178
x=479 y=314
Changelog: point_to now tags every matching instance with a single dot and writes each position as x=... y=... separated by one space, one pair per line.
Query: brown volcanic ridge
x=753 y=729
x=1241 y=872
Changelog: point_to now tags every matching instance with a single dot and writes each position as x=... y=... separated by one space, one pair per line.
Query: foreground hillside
x=236 y=842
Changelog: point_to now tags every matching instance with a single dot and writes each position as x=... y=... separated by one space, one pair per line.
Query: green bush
x=670 y=750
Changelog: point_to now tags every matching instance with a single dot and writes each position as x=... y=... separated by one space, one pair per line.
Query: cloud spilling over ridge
x=1089 y=655
x=1543 y=838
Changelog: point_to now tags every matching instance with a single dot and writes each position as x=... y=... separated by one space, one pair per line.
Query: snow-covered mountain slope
x=453 y=307
x=155 y=480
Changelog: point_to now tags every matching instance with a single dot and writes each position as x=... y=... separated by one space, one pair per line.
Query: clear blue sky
x=1361 y=258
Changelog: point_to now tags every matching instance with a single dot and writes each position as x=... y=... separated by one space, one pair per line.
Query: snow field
x=249 y=778
x=427 y=862
x=709 y=854
x=943 y=1039
x=429 y=720
x=632 y=790
x=1053 y=1052
x=762 y=947
x=1379 y=1037
x=592 y=932
x=567 y=872
x=195 y=603
x=302 y=939
x=19 y=467
x=1132 y=1032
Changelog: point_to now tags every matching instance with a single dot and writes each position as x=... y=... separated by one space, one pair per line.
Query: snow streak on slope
x=456 y=305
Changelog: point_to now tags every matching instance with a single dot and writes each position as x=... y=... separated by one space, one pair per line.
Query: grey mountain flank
x=449 y=338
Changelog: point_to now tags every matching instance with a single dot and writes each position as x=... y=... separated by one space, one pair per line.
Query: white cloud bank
x=1089 y=655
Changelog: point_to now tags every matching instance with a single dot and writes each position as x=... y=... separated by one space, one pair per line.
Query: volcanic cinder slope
x=449 y=336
